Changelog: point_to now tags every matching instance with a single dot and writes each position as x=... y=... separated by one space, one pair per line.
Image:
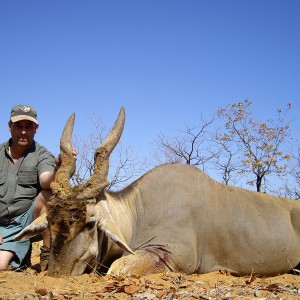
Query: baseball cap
x=23 y=112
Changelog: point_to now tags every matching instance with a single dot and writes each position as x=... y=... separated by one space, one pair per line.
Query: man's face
x=22 y=132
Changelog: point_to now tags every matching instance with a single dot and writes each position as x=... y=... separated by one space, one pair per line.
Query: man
x=26 y=171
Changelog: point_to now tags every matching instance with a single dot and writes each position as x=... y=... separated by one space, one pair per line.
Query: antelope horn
x=61 y=185
x=98 y=181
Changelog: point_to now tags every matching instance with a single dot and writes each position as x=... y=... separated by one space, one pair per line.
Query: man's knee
x=5 y=259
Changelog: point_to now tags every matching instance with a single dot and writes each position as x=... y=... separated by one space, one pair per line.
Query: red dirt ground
x=215 y=285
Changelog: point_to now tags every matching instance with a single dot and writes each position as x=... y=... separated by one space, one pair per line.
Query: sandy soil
x=215 y=285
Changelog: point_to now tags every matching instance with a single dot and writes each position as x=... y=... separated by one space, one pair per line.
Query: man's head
x=23 y=112
x=23 y=125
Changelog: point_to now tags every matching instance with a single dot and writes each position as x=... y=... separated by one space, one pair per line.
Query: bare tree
x=124 y=166
x=259 y=143
x=225 y=161
x=189 y=147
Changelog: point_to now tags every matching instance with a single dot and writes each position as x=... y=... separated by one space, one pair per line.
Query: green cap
x=23 y=112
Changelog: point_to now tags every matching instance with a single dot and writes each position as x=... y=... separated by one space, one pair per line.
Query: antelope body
x=174 y=218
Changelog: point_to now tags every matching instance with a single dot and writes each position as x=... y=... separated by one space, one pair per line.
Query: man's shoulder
x=2 y=152
x=2 y=145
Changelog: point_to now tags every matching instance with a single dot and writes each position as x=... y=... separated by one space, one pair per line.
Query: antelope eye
x=90 y=225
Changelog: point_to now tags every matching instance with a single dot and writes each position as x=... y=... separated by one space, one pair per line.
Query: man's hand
x=58 y=158
x=47 y=177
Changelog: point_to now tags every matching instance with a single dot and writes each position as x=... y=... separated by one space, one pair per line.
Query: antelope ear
x=108 y=225
x=37 y=227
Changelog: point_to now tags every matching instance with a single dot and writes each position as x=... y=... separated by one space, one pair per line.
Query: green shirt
x=19 y=182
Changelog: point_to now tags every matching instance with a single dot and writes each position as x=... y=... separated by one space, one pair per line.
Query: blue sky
x=167 y=62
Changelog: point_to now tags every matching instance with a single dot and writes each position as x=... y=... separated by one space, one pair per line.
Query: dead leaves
x=131 y=289
x=148 y=287
x=215 y=285
x=41 y=291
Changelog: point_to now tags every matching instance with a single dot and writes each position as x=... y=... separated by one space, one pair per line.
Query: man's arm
x=47 y=177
